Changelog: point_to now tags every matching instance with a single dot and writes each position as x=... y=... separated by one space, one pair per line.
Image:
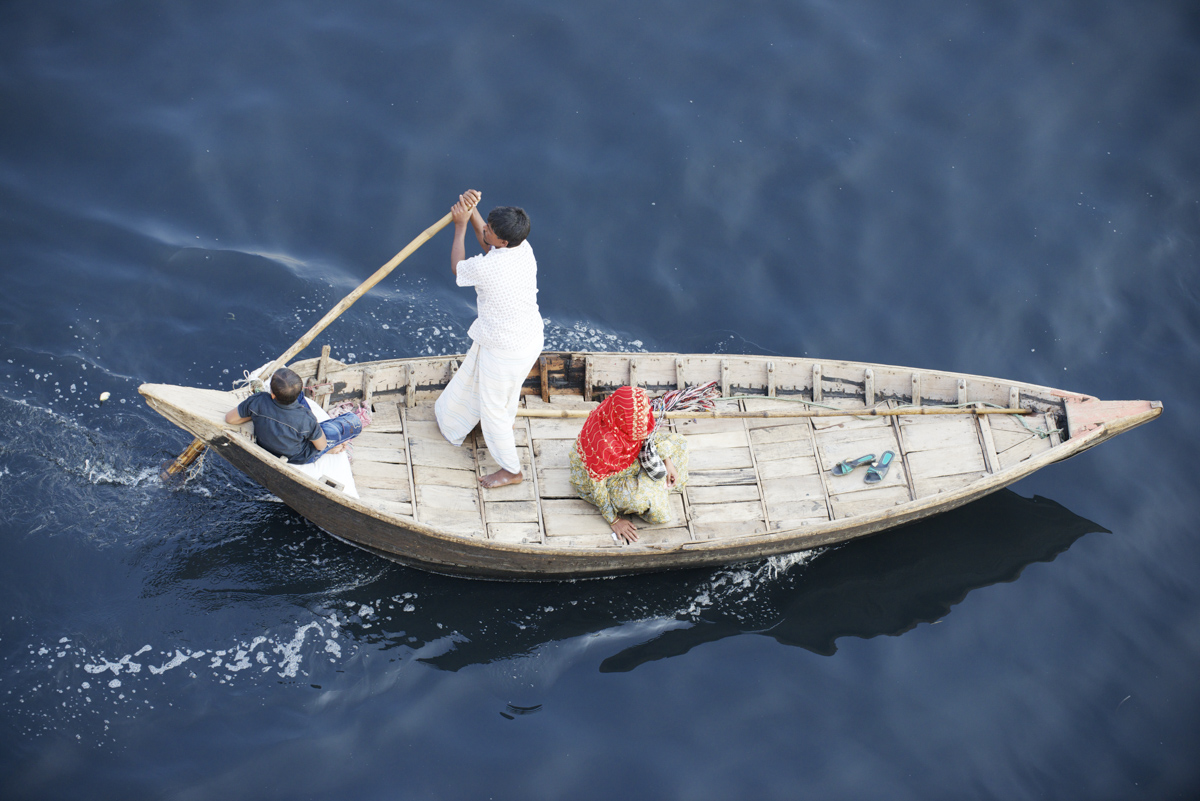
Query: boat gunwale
x=306 y=366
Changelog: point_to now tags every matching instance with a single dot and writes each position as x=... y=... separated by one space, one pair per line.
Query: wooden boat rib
x=758 y=486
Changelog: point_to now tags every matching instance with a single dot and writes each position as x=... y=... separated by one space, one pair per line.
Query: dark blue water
x=997 y=188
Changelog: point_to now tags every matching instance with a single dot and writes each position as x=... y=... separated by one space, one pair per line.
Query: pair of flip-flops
x=875 y=473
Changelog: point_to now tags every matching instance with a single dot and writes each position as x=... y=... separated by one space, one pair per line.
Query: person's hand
x=672 y=473
x=467 y=201
x=625 y=530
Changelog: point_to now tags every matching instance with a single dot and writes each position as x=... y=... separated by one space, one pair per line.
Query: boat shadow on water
x=880 y=585
x=885 y=584
x=890 y=583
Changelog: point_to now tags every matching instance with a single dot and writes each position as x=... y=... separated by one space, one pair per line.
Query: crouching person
x=622 y=465
x=285 y=426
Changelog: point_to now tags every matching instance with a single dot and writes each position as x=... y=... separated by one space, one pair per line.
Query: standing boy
x=285 y=426
x=507 y=335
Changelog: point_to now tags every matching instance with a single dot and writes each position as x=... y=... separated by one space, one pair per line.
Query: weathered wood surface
x=759 y=485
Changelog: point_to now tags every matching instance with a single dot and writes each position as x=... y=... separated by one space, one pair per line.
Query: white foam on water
x=132 y=683
x=96 y=682
x=291 y=651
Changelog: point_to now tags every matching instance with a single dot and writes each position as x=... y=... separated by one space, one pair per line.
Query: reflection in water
x=890 y=583
x=527 y=634
x=882 y=585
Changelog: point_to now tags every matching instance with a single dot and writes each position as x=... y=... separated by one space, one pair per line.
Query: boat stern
x=201 y=412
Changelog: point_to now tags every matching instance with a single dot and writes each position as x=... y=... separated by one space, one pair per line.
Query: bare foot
x=500 y=478
x=337 y=449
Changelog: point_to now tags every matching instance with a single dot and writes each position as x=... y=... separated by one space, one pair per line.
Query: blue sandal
x=845 y=466
x=877 y=471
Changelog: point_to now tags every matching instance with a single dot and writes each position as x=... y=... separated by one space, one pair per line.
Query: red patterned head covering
x=613 y=433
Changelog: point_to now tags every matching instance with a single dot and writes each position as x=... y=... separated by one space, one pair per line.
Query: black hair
x=286 y=386
x=510 y=224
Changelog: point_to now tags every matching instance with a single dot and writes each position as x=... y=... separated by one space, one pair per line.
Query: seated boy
x=285 y=426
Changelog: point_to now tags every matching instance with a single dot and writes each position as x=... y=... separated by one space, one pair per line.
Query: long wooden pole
x=572 y=413
x=197 y=446
x=350 y=299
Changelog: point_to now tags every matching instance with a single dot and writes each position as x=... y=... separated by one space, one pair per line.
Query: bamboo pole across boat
x=197 y=447
x=705 y=415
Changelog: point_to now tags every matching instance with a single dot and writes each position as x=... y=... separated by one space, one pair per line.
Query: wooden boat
x=760 y=481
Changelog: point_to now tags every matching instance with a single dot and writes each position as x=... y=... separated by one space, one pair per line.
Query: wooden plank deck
x=746 y=476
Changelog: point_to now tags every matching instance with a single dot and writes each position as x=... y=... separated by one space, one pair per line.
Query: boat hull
x=408 y=532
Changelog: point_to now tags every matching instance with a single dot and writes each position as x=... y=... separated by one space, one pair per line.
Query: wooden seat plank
x=390 y=507
x=947 y=461
x=559 y=524
x=445 y=476
x=454 y=521
x=809 y=509
x=388 y=455
x=555 y=482
x=720 y=459
x=926 y=486
x=786 y=468
x=1009 y=431
x=422 y=412
x=793 y=488
x=380 y=440
x=790 y=432
x=789 y=449
x=722 y=494
x=397 y=484
x=728 y=528
x=596 y=539
x=553 y=452
x=719 y=440
x=440 y=454
x=511 y=511
x=794 y=523
x=859 y=503
x=443 y=497
x=942 y=433
x=392 y=470
x=726 y=512
x=1025 y=450
x=550 y=428
x=424 y=429
x=385 y=417
x=390 y=494
x=717 y=478
x=515 y=533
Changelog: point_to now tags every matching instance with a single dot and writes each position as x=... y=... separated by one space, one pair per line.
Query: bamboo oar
x=572 y=413
x=197 y=446
x=349 y=300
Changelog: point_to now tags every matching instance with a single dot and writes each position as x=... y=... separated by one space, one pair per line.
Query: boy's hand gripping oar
x=197 y=446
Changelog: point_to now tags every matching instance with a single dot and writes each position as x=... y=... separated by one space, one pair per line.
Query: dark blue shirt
x=282 y=430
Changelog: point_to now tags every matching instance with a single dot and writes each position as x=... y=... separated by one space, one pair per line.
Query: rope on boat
x=196 y=467
x=252 y=380
x=698 y=398
x=1042 y=433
